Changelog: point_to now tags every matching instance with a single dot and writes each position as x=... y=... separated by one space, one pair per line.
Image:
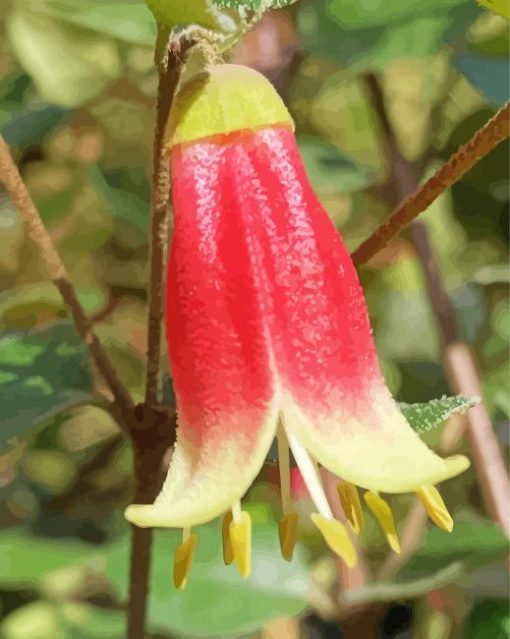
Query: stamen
x=284 y=469
x=287 y=533
x=183 y=558
x=240 y=539
x=337 y=538
x=228 y=553
x=351 y=505
x=287 y=529
x=382 y=512
x=435 y=507
x=310 y=475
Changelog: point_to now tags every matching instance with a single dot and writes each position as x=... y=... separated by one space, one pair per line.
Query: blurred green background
x=77 y=92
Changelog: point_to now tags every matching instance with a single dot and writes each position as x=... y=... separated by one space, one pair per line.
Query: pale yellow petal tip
x=183 y=560
x=382 y=512
x=228 y=553
x=140 y=515
x=224 y=99
x=456 y=464
x=337 y=538
x=287 y=532
x=240 y=538
x=149 y=516
x=351 y=505
x=435 y=507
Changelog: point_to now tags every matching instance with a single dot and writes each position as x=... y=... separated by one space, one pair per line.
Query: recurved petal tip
x=140 y=515
x=455 y=465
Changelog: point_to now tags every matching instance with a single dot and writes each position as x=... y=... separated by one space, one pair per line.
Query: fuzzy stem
x=168 y=80
x=154 y=433
x=18 y=192
x=481 y=144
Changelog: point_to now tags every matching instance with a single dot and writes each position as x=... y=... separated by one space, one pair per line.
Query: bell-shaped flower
x=269 y=335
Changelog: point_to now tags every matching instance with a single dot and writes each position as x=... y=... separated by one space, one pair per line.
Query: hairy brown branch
x=482 y=143
x=155 y=431
x=18 y=192
x=169 y=71
x=458 y=359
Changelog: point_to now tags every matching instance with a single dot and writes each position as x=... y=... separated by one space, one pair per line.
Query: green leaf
x=429 y=415
x=41 y=620
x=254 y=4
x=68 y=64
x=24 y=307
x=41 y=373
x=25 y=559
x=473 y=542
x=217 y=601
x=444 y=558
x=23 y=126
x=356 y=15
x=389 y=591
x=488 y=618
x=329 y=170
x=122 y=204
x=183 y=12
x=371 y=48
x=501 y=7
x=38 y=620
x=129 y=21
x=487 y=74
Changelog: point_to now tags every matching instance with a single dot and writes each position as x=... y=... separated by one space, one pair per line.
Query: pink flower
x=269 y=334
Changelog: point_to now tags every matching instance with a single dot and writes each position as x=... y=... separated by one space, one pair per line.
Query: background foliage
x=77 y=88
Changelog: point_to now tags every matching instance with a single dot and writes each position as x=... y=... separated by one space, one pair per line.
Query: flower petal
x=334 y=396
x=220 y=358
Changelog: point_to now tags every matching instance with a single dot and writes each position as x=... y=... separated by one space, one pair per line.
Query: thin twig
x=462 y=370
x=18 y=192
x=459 y=362
x=155 y=431
x=169 y=72
x=482 y=143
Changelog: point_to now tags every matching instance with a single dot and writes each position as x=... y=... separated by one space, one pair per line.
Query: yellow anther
x=382 y=512
x=240 y=539
x=287 y=531
x=351 y=505
x=183 y=559
x=336 y=536
x=228 y=554
x=435 y=507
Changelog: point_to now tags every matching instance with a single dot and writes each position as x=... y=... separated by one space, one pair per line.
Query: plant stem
x=18 y=192
x=458 y=359
x=169 y=70
x=154 y=431
x=148 y=452
x=482 y=143
x=172 y=53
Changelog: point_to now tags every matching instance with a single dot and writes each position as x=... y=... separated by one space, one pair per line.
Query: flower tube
x=268 y=333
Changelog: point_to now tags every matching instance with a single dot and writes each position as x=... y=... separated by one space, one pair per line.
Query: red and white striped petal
x=333 y=395
x=219 y=348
